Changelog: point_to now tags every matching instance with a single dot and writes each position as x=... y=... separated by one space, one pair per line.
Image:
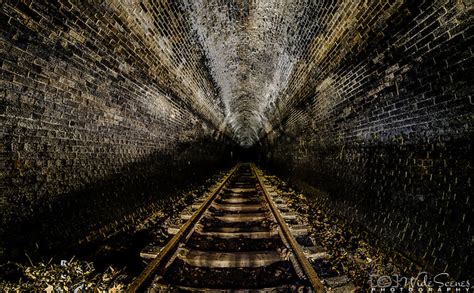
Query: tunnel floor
x=338 y=252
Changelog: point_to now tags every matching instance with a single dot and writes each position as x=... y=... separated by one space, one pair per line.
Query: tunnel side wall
x=384 y=139
x=96 y=123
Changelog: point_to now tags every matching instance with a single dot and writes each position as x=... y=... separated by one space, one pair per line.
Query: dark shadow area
x=416 y=198
x=251 y=154
x=115 y=201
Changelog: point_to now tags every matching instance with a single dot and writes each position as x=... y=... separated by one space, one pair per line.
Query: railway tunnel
x=115 y=113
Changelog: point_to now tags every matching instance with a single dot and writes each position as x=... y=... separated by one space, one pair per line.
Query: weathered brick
x=409 y=99
x=104 y=104
x=87 y=139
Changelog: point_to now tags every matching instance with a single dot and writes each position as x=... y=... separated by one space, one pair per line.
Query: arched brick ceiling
x=247 y=66
x=248 y=48
x=250 y=51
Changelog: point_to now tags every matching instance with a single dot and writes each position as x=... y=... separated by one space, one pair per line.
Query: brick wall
x=376 y=124
x=103 y=108
x=368 y=105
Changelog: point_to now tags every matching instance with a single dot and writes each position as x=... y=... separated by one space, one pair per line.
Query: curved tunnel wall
x=96 y=122
x=366 y=105
x=379 y=130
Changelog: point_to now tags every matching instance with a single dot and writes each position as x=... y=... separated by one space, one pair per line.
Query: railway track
x=237 y=239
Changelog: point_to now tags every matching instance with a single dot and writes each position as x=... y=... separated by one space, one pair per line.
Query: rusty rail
x=170 y=248
x=295 y=247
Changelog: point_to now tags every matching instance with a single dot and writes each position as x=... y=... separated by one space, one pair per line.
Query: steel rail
x=303 y=261
x=170 y=248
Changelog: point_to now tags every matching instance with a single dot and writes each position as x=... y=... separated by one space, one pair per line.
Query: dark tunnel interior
x=110 y=110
